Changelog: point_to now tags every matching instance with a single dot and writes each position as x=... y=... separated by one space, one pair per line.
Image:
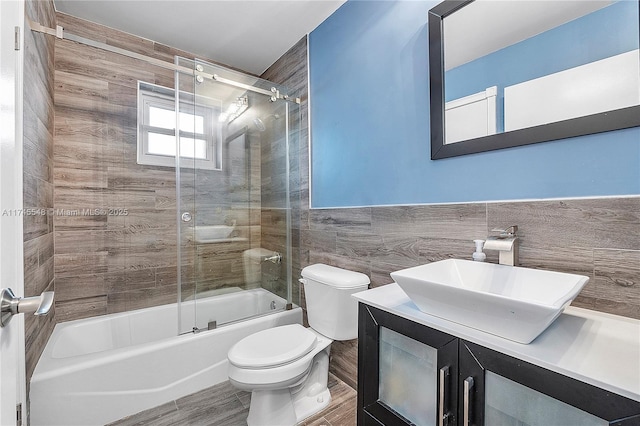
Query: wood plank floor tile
x=165 y=414
x=224 y=405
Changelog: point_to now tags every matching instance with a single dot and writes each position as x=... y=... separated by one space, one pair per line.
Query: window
x=156 y=129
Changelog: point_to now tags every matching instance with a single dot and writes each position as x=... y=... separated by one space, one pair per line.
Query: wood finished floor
x=224 y=405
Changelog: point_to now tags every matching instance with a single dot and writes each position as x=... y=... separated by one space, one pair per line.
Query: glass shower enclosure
x=233 y=195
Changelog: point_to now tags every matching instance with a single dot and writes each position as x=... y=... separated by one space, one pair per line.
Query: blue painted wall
x=370 y=126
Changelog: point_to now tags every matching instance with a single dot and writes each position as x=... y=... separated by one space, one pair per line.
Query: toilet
x=286 y=368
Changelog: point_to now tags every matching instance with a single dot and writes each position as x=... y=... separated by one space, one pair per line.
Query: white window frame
x=151 y=95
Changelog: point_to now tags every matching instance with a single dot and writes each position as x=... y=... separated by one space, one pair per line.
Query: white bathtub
x=98 y=370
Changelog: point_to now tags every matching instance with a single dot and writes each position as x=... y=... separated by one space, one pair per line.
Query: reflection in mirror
x=519 y=72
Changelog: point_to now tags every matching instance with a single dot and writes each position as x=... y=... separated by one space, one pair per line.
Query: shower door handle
x=11 y=305
x=186 y=217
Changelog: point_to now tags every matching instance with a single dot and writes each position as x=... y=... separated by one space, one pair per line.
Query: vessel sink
x=511 y=302
x=212 y=233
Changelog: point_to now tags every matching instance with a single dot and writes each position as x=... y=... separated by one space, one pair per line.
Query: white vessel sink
x=511 y=302
x=212 y=233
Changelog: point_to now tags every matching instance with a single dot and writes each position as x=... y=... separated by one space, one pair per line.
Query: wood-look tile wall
x=599 y=238
x=38 y=174
x=291 y=71
x=107 y=263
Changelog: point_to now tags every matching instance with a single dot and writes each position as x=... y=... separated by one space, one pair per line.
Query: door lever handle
x=11 y=305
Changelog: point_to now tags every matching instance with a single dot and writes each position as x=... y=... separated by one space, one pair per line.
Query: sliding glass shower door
x=237 y=133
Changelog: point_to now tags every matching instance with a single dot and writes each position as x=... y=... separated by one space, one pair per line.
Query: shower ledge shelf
x=221 y=240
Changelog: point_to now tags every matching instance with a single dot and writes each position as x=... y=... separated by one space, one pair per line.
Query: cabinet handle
x=443 y=418
x=468 y=386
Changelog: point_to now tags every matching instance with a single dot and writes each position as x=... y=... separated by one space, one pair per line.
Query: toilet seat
x=273 y=347
x=279 y=376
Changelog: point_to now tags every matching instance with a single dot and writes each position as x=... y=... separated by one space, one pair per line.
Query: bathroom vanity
x=415 y=368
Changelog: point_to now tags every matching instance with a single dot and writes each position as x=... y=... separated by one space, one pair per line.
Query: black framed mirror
x=530 y=102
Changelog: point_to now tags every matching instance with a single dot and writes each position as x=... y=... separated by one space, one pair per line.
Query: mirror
x=511 y=73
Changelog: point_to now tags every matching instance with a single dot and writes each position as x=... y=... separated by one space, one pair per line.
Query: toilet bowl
x=286 y=368
x=289 y=370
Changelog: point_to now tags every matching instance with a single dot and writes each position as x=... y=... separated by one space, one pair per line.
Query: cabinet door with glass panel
x=407 y=373
x=411 y=374
x=497 y=389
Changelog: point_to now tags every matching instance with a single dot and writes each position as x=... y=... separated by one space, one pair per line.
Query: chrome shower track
x=274 y=94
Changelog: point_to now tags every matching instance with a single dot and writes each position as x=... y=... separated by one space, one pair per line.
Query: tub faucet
x=274 y=258
x=507 y=243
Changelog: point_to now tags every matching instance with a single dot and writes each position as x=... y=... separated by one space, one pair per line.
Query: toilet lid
x=272 y=347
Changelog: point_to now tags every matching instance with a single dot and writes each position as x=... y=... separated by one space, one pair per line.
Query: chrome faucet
x=274 y=258
x=507 y=243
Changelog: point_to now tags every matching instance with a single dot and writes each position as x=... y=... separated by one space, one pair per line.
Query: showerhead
x=259 y=122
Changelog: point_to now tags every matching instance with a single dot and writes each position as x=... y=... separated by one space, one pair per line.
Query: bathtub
x=95 y=371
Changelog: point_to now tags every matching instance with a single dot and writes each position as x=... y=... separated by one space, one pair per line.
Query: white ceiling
x=246 y=34
x=486 y=26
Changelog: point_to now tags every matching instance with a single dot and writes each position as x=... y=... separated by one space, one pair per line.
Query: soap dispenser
x=479 y=255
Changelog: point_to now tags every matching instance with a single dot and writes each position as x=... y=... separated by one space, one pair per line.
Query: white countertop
x=590 y=346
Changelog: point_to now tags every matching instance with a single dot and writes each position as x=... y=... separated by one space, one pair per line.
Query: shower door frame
x=274 y=94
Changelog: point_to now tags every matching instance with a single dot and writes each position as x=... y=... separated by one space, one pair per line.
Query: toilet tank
x=330 y=308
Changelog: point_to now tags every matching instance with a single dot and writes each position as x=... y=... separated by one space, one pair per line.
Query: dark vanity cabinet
x=411 y=374
x=405 y=372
